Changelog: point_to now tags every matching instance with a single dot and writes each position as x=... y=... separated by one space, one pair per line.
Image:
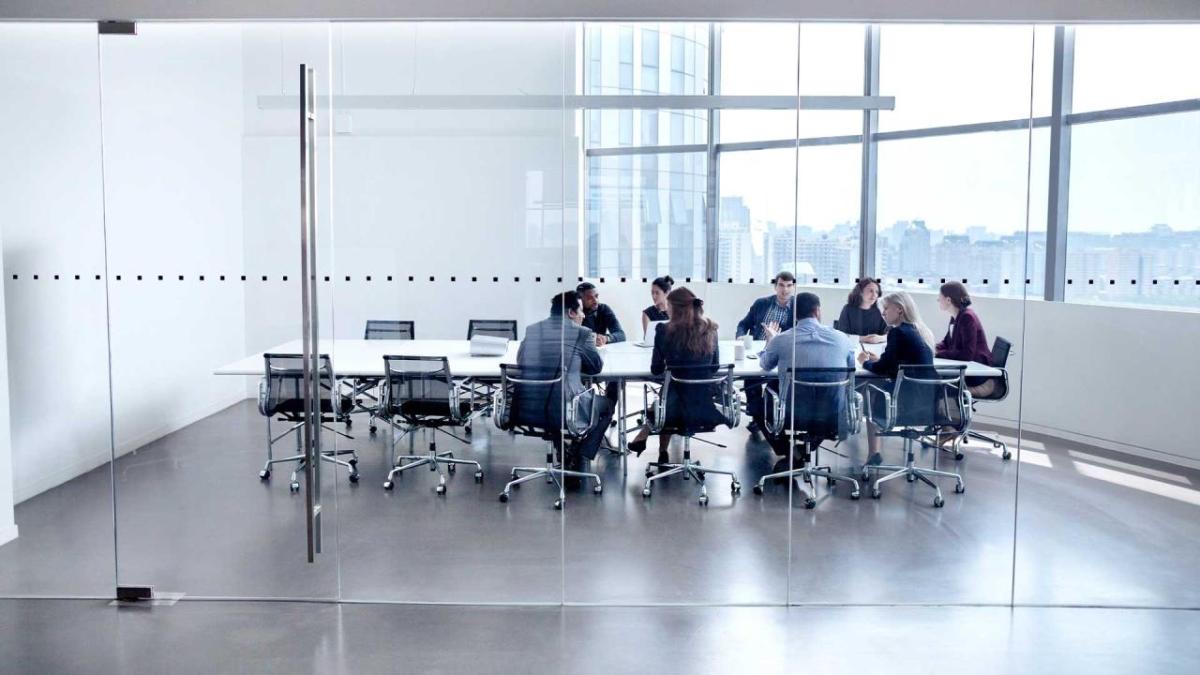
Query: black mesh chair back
x=835 y=325
x=695 y=399
x=504 y=328
x=283 y=384
x=820 y=402
x=929 y=397
x=421 y=391
x=528 y=401
x=379 y=329
x=1000 y=351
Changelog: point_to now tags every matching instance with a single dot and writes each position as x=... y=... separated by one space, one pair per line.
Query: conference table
x=623 y=362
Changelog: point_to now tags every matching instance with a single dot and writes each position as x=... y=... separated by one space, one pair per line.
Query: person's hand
x=862 y=356
x=601 y=340
x=770 y=330
x=871 y=339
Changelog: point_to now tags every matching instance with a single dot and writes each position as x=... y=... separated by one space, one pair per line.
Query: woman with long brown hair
x=688 y=340
x=861 y=315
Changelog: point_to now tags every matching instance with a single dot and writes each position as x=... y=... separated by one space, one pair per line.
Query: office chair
x=693 y=400
x=281 y=393
x=817 y=404
x=421 y=392
x=505 y=328
x=367 y=387
x=924 y=400
x=382 y=329
x=524 y=405
x=1001 y=349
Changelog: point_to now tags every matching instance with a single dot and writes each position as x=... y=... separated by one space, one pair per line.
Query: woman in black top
x=687 y=342
x=908 y=342
x=861 y=316
x=657 y=311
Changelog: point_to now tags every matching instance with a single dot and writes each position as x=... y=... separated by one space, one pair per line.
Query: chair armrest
x=262 y=397
x=854 y=408
x=874 y=393
x=773 y=404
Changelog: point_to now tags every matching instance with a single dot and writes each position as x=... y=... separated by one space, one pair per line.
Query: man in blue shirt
x=807 y=345
x=767 y=318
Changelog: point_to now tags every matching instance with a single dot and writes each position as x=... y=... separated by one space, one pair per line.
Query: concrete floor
x=73 y=636
x=1092 y=527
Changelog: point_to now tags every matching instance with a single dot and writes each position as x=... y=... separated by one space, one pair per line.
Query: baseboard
x=1107 y=444
x=8 y=533
x=102 y=456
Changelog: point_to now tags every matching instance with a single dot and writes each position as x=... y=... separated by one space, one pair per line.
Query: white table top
x=364 y=358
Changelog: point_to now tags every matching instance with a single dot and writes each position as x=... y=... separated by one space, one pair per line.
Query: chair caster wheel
x=388 y=485
x=354 y=477
x=372 y=430
x=353 y=461
x=558 y=504
x=910 y=478
x=440 y=489
x=599 y=489
x=703 y=500
x=265 y=474
x=758 y=489
x=503 y=497
x=467 y=431
x=478 y=476
x=294 y=487
x=855 y=495
x=810 y=503
x=1006 y=455
x=451 y=468
x=875 y=493
x=959 y=489
x=958 y=456
x=646 y=493
x=938 y=502
x=735 y=488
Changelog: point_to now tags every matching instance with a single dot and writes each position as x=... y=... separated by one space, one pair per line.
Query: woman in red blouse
x=965 y=339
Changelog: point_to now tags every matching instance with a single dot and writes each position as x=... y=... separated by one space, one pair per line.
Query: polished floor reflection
x=71 y=636
x=1094 y=527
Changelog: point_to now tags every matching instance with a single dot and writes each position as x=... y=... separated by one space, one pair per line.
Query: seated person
x=688 y=341
x=657 y=311
x=599 y=317
x=908 y=342
x=807 y=345
x=560 y=344
x=965 y=339
x=767 y=318
x=861 y=316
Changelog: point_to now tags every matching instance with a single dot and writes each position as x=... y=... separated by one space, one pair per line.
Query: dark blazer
x=752 y=322
x=549 y=345
x=690 y=405
x=603 y=321
x=904 y=347
x=858 y=321
x=966 y=341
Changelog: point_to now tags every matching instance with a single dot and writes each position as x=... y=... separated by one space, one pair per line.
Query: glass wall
x=470 y=174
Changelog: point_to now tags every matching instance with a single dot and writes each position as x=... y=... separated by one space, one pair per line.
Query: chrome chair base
x=433 y=459
x=808 y=473
x=553 y=473
x=911 y=473
x=995 y=441
x=690 y=469
x=326 y=456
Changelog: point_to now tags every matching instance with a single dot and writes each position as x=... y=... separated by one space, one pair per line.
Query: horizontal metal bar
x=789 y=143
x=591 y=102
x=645 y=150
x=955 y=129
x=1132 y=112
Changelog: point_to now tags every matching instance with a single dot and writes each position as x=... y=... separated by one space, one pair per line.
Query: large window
x=977 y=175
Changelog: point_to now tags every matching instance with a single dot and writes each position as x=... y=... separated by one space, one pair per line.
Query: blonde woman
x=909 y=341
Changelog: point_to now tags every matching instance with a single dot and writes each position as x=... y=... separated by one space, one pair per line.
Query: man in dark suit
x=767 y=318
x=560 y=344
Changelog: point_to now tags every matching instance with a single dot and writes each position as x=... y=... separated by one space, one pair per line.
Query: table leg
x=622 y=443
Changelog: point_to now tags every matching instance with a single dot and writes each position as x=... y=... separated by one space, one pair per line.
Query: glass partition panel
x=202 y=201
x=56 y=457
x=1110 y=511
x=454 y=202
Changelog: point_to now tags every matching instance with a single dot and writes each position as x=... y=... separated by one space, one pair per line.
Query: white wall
x=8 y=522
